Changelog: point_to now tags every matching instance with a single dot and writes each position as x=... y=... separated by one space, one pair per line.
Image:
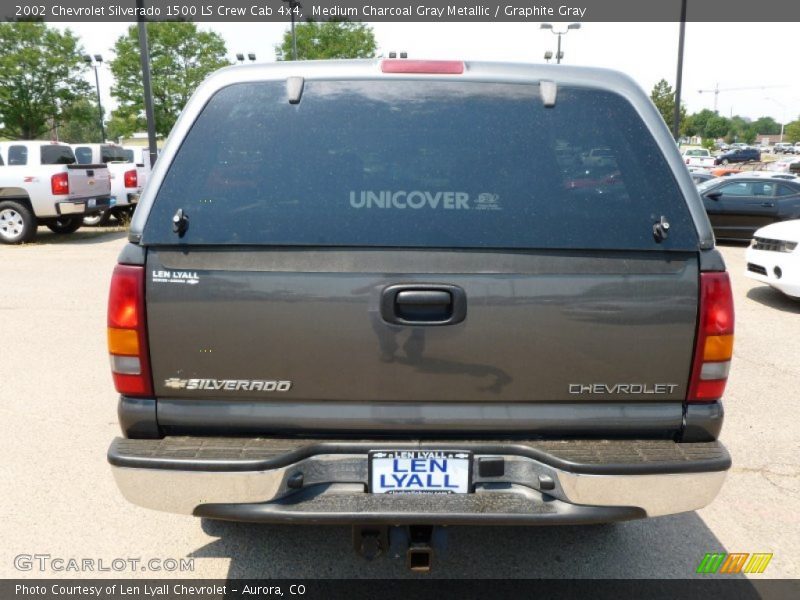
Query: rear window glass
x=57 y=155
x=405 y=164
x=83 y=154
x=17 y=155
x=110 y=154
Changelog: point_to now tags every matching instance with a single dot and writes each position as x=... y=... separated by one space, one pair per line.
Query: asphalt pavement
x=58 y=409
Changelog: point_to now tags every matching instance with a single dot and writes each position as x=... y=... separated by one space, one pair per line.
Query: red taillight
x=714 y=344
x=59 y=184
x=446 y=67
x=131 y=179
x=127 y=332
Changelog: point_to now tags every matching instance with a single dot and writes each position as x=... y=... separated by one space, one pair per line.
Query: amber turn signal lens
x=123 y=341
x=718 y=347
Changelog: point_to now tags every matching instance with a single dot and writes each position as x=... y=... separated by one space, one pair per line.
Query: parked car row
x=64 y=187
x=127 y=179
x=786 y=148
x=762 y=207
x=42 y=184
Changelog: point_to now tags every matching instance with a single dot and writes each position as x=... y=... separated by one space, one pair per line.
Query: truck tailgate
x=540 y=326
x=88 y=181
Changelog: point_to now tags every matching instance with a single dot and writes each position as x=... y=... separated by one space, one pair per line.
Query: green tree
x=717 y=127
x=664 y=98
x=708 y=143
x=181 y=56
x=792 y=132
x=767 y=126
x=331 y=39
x=122 y=126
x=41 y=73
x=80 y=122
x=695 y=124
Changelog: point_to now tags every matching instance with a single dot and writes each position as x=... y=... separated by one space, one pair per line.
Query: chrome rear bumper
x=319 y=481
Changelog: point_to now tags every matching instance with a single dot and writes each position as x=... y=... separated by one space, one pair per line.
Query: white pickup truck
x=698 y=157
x=41 y=184
x=127 y=179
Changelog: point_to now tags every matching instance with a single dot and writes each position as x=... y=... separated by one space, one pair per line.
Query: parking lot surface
x=59 y=415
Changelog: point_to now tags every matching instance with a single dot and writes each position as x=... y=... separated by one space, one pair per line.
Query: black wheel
x=124 y=215
x=65 y=225
x=17 y=223
x=100 y=219
x=725 y=161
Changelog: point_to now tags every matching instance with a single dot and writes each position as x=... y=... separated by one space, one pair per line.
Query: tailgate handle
x=424 y=298
x=423 y=304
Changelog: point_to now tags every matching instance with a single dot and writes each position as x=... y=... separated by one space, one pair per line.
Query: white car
x=783 y=165
x=698 y=157
x=766 y=175
x=774 y=257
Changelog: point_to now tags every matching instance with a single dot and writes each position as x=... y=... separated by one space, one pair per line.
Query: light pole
x=293 y=6
x=250 y=56
x=559 y=53
x=98 y=60
x=785 y=112
x=676 y=115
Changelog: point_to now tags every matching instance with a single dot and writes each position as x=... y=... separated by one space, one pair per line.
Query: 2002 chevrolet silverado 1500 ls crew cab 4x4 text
x=390 y=292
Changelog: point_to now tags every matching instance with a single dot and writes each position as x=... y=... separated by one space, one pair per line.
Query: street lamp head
x=545 y=26
x=240 y=57
x=251 y=56
x=87 y=59
x=574 y=26
x=548 y=55
x=98 y=58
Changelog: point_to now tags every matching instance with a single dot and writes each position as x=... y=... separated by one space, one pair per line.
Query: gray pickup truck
x=394 y=292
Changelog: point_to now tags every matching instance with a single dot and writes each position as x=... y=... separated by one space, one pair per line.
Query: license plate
x=419 y=472
x=71 y=208
x=91 y=202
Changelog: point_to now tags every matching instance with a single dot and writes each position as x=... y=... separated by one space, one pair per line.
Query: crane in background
x=717 y=90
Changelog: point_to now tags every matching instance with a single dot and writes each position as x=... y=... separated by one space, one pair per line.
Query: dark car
x=738 y=206
x=738 y=155
x=699 y=177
